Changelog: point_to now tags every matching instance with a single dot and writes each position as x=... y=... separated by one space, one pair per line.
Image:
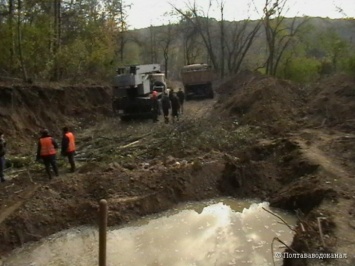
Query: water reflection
x=222 y=232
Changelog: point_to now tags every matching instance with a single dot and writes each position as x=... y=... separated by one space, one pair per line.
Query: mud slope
x=26 y=109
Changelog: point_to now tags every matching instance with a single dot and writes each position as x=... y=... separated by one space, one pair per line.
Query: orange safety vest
x=71 y=145
x=47 y=147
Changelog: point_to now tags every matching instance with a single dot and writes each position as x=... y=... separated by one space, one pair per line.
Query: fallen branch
x=283 y=221
x=10 y=185
x=129 y=144
x=320 y=229
x=29 y=175
x=302 y=227
x=14 y=171
x=272 y=248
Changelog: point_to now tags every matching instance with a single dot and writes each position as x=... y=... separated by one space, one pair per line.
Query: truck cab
x=132 y=88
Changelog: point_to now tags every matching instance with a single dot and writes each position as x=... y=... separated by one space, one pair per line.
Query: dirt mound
x=26 y=109
x=255 y=99
x=230 y=86
x=332 y=102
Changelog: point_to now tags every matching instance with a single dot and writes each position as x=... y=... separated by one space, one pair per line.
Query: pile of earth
x=332 y=102
x=254 y=99
x=25 y=109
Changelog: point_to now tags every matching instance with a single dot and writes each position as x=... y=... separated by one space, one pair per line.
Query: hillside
x=310 y=39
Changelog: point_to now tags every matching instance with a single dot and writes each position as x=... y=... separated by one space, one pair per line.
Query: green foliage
x=349 y=64
x=300 y=69
x=5 y=46
x=87 y=46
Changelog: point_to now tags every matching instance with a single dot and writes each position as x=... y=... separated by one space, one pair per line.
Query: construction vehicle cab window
x=132 y=89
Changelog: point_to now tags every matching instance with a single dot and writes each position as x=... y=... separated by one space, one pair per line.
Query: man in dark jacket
x=181 y=95
x=46 y=150
x=171 y=93
x=2 y=156
x=175 y=106
x=68 y=147
x=165 y=104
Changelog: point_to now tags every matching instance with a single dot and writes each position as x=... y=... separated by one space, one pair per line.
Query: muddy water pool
x=216 y=232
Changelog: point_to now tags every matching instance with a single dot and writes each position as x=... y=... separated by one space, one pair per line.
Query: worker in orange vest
x=46 y=150
x=155 y=106
x=68 y=147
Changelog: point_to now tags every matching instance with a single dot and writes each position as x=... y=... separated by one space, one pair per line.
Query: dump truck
x=197 y=81
x=132 y=88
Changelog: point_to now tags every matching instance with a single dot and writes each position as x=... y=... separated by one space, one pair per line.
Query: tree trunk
x=19 y=40
x=222 y=40
x=11 y=29
x=166 y=61
x=153 y=54
x=122 y=34
x=57 y=38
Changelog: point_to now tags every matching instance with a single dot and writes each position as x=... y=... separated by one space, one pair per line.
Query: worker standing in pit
x=46 y=150
x=68 y=147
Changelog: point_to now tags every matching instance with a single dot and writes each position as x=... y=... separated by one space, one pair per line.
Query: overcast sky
x=144 y=13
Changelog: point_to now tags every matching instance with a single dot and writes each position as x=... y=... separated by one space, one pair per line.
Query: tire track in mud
x=337 y=177
x=5 y=212
x=198 y=109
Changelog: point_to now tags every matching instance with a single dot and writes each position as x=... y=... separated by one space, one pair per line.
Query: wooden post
x=102 y=232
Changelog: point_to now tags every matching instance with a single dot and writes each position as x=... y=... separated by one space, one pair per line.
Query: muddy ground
x=289 y=144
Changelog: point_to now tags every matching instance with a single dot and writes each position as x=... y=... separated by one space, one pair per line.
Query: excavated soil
x=263 y=138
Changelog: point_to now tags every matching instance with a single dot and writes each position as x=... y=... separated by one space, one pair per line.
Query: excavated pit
x=72 y=201
x=305 y=171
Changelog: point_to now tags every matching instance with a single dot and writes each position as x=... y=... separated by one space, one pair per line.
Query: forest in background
x=78 y=41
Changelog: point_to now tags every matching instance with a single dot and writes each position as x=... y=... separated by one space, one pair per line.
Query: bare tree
x=192 y=46
x=11 y=29
x=166 y=38
x=57 y=37
x=235 y=38
x=19 y=40
x=203 y=26
x=222 y=39
x=153 y=44
x=279 y=34
x=240 y=38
